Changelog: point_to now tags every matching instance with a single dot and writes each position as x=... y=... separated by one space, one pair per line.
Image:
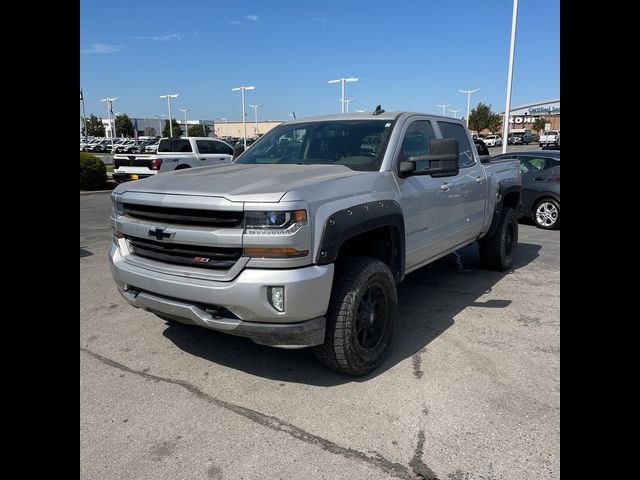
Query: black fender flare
x=357 y=219
x=503 y=191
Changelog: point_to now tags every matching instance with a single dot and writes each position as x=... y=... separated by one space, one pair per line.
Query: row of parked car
x=548 y=137
x=120 y=145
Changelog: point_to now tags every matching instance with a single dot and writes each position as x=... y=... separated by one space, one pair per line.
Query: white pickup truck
x=550 y=137
x=173 y=154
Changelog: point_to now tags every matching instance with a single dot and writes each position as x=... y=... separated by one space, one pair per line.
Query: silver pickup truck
x=172 y=154
x=302 y=240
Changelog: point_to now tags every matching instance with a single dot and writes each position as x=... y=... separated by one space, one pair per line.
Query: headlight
x=274 y=222
x=118 y=206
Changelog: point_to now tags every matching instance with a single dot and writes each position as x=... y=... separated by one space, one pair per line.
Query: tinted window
x=322 y=143
x=457 y=131
x=223 y=148
x=416 y=143
x=205 y=146
x=532 y=164
x=170 y=145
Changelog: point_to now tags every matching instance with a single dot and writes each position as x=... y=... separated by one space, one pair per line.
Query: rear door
x=213 y=152
x=536 y=176
x=469 y=186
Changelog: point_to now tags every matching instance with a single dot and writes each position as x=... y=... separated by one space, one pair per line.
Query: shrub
x=93 y=172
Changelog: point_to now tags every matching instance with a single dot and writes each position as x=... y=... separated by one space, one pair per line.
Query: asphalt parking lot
x=470 y=391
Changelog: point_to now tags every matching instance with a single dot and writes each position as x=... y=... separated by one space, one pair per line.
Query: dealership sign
x=524 y=120
x=545 y=110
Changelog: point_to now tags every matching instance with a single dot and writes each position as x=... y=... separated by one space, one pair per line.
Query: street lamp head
x=335 y=81
x=251 y=87
x=185 y=110
x=170 y=95
x=255 y=106
x=351 y=79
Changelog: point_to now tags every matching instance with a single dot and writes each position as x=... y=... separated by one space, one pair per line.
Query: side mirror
x=237 y=150
x=443 y=160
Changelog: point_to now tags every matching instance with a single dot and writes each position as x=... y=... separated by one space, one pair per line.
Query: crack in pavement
x=420 y=469
x=387 y=466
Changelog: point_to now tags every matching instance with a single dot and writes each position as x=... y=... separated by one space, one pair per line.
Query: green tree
x=150 y=132
x=124 y=126
x=197 y=131
x=482 y=117
x=539 y=124
x=95 y=127
x=174 y=125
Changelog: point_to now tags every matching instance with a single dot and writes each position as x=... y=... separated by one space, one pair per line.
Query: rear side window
x=457 y=131
x=174 y=145
x=222 y=148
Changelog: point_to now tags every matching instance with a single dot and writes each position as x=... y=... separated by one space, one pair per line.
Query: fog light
x=275 y=295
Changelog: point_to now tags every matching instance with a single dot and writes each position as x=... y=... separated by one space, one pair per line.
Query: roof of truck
x=392 y=115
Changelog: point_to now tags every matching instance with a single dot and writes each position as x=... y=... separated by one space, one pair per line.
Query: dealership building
x=524 y=116
x=221 y=128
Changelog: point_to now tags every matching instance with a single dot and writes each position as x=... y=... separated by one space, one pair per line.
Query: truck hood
x=238 y=182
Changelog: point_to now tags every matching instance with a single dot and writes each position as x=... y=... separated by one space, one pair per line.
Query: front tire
x=498 y=251
x=546 y=214
x=361 y=317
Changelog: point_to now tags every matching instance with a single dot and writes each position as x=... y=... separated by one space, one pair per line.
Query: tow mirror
x=443 y=159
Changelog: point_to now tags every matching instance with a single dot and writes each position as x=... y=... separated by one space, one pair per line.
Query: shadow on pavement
x=85 y=253
x=429 y=300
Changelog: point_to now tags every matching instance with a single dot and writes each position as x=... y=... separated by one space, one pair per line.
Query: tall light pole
x=455 y=113
x=169 y=96
x=84 y=115
x=109 y=104
x=244 y=113
x=348 y=102
x=159 y=117
x=469 y=92
x=342 y=81
x=443 y=107
x=512 y=50
x=186 y=129
x=255 y=107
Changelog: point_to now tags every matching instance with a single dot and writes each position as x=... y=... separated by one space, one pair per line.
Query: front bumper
x=191 y=300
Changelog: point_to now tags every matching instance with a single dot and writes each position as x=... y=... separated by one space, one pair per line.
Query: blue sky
x=408 y=54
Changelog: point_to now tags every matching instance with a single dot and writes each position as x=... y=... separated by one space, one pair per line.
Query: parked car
x=493 y=141
x=540 y=186
x=519 y=138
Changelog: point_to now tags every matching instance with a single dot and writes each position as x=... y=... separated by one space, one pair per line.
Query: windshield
x=357 y=144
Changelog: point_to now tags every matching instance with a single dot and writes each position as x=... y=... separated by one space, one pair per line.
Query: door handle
x=445 y=186
x=479 y=179
x=539 y=178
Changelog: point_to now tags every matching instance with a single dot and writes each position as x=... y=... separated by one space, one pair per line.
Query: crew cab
x=302 y=240
x=173 y=154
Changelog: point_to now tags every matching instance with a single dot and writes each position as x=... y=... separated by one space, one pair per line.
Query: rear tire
x=361 y=317
x=498 y=251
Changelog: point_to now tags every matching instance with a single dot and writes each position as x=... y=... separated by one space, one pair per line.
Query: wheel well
x=381 y=243
x=512 y=200
x=182 y=167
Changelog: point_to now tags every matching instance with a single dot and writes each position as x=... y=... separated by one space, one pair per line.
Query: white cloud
x=102 y=48
x=253 y=18
x=167 y=37
x=234 y=22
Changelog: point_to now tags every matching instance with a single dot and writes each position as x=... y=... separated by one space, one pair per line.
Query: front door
x=426 y=201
